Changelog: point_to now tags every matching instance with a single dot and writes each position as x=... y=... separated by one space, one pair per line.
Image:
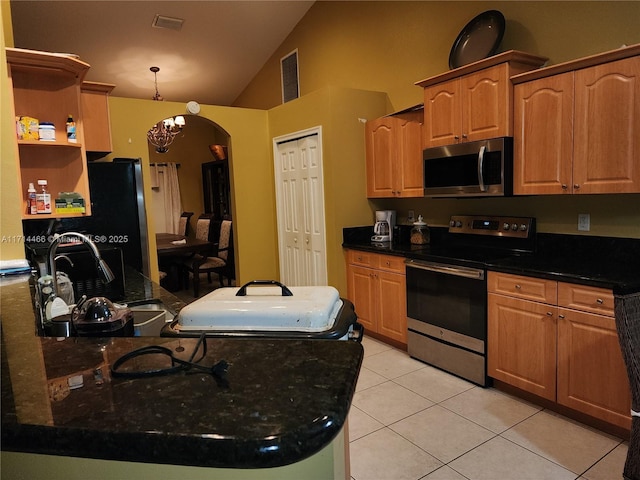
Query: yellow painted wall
x=11 y=241
x=338 y=111
x=387 y=46
x=251 y=170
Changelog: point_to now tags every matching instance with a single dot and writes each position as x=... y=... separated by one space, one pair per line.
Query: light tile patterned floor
x=412 y=421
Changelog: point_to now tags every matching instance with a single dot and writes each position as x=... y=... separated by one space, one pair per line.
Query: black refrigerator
x=118 y=217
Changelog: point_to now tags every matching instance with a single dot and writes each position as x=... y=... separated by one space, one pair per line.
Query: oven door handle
x=466 y=272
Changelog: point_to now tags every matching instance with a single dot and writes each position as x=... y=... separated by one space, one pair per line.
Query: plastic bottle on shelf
x=71 y=130
x=32 y=207
x=43 y=198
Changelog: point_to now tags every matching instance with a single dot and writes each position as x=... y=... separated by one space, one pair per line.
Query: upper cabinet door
x=486 y=104
x=409 y=177
x=476 y=106
x=380 y=154
x=394 y=158
x=607 y=128
x=442 y=114
x=95 y=113
x=543 y=136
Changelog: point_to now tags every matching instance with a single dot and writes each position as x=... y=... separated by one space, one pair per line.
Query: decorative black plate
x=479 y=39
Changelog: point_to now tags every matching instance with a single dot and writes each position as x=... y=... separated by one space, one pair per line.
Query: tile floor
x=412 y=421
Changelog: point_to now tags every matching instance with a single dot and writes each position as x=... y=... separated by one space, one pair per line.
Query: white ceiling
x=222 y=44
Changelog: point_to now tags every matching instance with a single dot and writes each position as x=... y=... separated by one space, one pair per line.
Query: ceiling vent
x=160 y=21
x=290 y=83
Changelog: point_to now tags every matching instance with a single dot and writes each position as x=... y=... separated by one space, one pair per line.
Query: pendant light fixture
x=157 y=97
x=161 y=135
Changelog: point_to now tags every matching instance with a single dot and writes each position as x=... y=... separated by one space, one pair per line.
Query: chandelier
x=161 y=135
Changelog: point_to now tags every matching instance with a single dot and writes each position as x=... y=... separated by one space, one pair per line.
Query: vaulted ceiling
x=219 y=48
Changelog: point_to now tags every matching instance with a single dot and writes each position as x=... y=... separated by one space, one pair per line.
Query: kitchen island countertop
x=281 y=401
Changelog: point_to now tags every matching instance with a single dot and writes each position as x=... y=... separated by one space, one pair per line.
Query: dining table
x=173 y=250
x=170 y=244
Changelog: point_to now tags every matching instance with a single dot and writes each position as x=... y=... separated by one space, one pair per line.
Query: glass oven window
x=448 y=301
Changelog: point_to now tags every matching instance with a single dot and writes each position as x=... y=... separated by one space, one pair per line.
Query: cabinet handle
x=576 y=186
x=599 y=301
x=564 y=186
x=464 y=135
x=518 y=287
x=560 y=316
x=549 y=314
x=456 y=137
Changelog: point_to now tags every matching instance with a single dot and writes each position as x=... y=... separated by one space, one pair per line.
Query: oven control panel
x=516 y=227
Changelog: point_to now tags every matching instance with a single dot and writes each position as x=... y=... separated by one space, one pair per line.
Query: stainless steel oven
x=446 y=317
x=447 y=291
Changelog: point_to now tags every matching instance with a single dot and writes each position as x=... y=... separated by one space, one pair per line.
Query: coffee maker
x=383 y=228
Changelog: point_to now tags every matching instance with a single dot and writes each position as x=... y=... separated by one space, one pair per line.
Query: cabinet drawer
x=588 y=299
x=391 y=263
x=366 y=259
x=528 y=288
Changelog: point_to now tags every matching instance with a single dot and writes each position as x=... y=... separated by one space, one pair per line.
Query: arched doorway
x=192 y=152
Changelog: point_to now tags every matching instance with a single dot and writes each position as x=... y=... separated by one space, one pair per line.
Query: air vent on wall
x=289 y=70
x=160 y=21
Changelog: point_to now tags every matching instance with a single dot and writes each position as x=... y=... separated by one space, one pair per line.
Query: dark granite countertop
x=605 y=262
x=283 y=400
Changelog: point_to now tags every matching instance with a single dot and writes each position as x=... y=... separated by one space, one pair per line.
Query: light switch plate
x=412 y=216
x=584 y=222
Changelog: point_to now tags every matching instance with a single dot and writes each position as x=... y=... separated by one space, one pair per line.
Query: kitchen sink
x=149 y=316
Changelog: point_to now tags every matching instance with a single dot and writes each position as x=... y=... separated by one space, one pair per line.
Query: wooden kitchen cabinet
x=473 y=107
x=47 y=87
x=558 y=341
x=376 y=284
x=577 y=127
x=473 y=102
x=394 y=158
x=521 y=335
x=95 y=115
x=592 y=377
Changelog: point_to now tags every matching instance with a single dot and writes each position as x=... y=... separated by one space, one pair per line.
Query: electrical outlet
x=584 y=222
x=412 y=216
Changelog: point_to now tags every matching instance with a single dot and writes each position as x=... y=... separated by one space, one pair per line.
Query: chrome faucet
x=104 y=271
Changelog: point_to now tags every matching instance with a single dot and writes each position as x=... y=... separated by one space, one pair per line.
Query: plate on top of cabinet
x=479 y=39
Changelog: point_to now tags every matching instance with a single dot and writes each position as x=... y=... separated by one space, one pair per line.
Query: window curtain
x=170 y=189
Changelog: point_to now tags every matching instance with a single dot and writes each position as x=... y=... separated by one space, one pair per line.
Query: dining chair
x=183 y=223
x=203 y=227
x=221 y=262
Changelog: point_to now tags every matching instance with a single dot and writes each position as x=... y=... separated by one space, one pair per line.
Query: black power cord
x=217 y=371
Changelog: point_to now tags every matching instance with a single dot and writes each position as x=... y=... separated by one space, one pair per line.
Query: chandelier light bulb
x=161 y=135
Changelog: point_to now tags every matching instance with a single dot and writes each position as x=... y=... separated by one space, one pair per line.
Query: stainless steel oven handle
x=483 y=188
x=474 y=273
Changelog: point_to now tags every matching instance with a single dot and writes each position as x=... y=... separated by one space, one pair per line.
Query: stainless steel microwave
x=472 y=169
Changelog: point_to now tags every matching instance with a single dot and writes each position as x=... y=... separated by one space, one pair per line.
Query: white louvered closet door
x=300 y=204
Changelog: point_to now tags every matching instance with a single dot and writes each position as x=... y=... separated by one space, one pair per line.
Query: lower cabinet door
x=361 y=290
x=522 y=344
x=592 y=377
x=392 y=292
